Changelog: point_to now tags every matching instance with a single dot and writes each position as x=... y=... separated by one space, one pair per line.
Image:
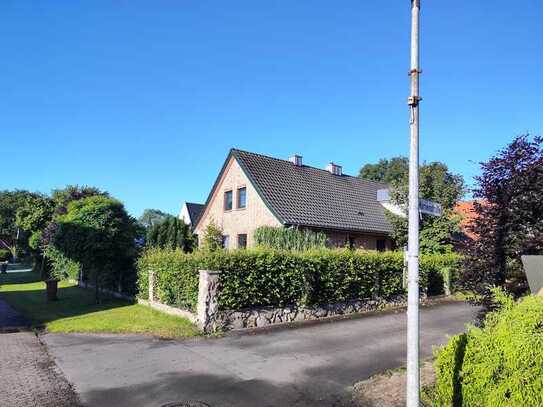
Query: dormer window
x=242 y=198
x=228 y=201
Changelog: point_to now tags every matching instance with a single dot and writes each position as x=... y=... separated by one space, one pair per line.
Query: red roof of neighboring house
x=466 y=210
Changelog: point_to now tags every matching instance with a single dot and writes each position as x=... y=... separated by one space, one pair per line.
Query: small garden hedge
x=498 y=365
x=264 y=277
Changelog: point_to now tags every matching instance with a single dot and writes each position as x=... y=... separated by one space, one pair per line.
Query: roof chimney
x=334 y=169
x=296 y=160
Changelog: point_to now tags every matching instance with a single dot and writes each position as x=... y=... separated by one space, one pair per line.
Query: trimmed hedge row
x=498 y=365
x=264 y=277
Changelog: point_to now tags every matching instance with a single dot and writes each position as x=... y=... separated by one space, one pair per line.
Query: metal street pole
x=413 y=375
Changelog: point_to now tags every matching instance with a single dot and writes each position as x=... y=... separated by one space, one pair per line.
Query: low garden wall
x=254 y=288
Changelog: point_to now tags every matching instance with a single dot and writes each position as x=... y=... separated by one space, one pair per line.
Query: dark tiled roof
x=307 y=196
x=195 y=209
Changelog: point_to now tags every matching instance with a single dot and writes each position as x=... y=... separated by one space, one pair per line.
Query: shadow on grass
x=19 y=278
x=459 y=354
x=25 y=292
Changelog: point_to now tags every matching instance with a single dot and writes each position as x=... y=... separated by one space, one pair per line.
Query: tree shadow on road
x=215 y=391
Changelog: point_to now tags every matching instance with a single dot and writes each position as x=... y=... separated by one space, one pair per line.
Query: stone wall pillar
x=207 y=306
x=151 y=285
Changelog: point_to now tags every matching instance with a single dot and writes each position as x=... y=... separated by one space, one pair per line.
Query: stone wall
x=211 y=319
x=266 y=316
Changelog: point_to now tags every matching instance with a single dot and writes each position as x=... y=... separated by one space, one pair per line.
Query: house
x=466 y=210
x=253 y=190
x=467 y=213
x=190 y=212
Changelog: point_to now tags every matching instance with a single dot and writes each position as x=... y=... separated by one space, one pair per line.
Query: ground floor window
x=242 y=241
x=381 y=245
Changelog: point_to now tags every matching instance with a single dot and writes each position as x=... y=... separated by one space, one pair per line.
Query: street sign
x=430 y=208
x=425 y=206
x=533 y=267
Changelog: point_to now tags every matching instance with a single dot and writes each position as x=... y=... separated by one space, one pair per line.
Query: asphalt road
x=306 y=366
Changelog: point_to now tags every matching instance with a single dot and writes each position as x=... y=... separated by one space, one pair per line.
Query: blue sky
x=145 y=98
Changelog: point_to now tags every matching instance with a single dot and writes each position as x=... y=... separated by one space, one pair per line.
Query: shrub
x=212 y=239
x=5 y=255
x=282 y=238
x=500 y=364
x=264 y=277
x=442 y=271
x=61 y=266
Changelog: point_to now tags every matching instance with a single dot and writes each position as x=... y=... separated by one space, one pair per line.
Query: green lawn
x=77 y=311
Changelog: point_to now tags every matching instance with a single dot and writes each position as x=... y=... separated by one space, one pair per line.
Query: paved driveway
x=307 y=366
x=28 y=376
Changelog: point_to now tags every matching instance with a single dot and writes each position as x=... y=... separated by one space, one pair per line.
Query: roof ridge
x=233 y=149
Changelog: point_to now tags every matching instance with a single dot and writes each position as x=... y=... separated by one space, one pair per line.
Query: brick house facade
x=253 y=190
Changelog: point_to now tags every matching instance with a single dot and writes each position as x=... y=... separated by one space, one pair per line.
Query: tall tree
x=33 y=217
x=392 y=171
x=97 y=233
x=10 y=232
x=437 y=183
x=64 y=196
x=508 y=218
x=151 y=217
x=171 y=233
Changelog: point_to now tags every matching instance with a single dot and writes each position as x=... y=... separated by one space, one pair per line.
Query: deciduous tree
x=508 y=218
x=437 y=184
x=98 y=233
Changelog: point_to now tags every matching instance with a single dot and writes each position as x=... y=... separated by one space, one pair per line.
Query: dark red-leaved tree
x=509 y=217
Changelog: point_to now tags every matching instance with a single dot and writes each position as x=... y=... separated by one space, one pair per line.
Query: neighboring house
x=253 y=190
x=466 y=211
x=190 y=212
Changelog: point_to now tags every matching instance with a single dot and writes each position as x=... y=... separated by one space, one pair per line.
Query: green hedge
x=264 y=277
x=498 y=365
x=176 y=276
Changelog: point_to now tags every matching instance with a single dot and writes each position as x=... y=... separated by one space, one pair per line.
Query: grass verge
x=77 y=311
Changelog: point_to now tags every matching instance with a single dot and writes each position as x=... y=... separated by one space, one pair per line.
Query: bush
x=281 y=238
x=61 y=266
x=212 y=240
x=264 y=277
x=5 y=255
x=500 y=364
